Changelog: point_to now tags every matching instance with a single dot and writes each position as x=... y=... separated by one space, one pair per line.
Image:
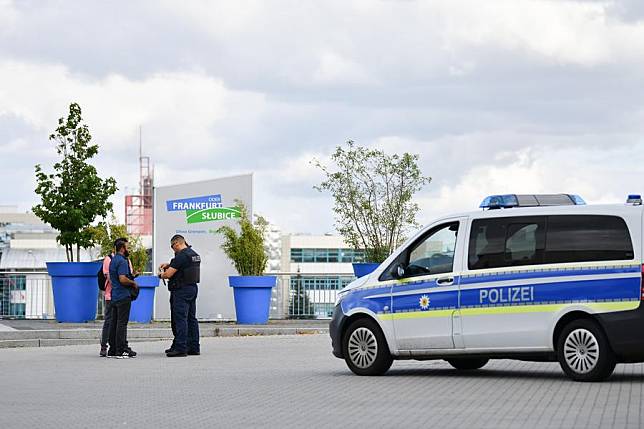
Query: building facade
x=314 y=269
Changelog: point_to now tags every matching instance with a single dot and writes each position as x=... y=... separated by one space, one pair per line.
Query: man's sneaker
x=131 y=353
x=194 y=353
x=103 y=352
x=124 y=355
x=174 y=353
x=169 y=350
x=111 y=354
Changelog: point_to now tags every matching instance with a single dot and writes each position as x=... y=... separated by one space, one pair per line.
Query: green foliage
x=300 y=306
x=105 y=234
x=74 y=195
x=246 y=248
x=372 y=194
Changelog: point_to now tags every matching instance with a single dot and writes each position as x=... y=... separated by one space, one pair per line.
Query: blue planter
x=143 y=307
x=252 y=298
x=364 y=268
x=75 y=290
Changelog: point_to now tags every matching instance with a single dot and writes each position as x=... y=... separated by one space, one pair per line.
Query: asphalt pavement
x=295 y=382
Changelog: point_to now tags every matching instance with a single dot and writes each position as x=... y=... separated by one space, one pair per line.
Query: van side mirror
x=398 y=272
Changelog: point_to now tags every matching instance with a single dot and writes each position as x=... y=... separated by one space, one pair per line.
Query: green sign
x=212 y=214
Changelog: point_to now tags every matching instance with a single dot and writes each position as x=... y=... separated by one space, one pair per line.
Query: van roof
x=600 y=209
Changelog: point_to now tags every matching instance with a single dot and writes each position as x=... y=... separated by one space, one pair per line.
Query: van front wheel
x=584 y=353
x=365 y=348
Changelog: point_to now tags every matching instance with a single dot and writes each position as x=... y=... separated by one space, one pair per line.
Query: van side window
x=434 y=253
x=524 y=244
x=585 y=238
x=506 y=242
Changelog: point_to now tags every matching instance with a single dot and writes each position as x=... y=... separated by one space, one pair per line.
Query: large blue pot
x=363 y=268
x=252 y=298
x=75 y=290
x=143 y=307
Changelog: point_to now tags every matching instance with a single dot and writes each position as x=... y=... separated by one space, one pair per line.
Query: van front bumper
x=625 y=331
x=335 y=331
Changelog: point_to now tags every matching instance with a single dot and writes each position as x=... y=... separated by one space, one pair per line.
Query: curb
x=68 y=337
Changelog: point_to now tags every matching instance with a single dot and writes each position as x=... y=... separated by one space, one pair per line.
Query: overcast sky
x=495 y=96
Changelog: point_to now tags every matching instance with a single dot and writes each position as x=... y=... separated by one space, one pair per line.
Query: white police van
x=530 y=277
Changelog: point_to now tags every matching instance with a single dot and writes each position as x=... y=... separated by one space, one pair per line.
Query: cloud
x=495 y=96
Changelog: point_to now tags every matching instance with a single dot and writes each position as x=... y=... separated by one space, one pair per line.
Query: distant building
x=318 y=266
x=26 y=244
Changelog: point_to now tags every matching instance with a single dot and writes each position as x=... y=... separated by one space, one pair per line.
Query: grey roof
x=30 y=259
x=21 y=218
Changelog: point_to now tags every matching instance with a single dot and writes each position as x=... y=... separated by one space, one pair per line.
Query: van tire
x=365 y=349
x=467 y=364
x=583 y=351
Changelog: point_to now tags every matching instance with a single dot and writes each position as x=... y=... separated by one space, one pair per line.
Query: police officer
x=183 y=275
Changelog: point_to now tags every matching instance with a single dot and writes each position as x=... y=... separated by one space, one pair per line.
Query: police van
x=529 y=277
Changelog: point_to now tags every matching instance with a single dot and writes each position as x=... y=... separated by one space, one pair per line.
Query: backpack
x=102 y=280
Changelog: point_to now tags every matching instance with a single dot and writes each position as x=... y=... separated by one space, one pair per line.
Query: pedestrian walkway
x=43 y=333
x=5 y=328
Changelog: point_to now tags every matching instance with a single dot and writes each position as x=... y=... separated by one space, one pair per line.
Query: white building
x=26 y=244
x=315 y=268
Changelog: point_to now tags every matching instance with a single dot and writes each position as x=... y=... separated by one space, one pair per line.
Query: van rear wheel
x=584 y=353
x=466 y=364
x=365 y=348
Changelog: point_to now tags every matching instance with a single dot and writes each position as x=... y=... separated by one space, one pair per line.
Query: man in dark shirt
x=183 y=273
x=122 y=280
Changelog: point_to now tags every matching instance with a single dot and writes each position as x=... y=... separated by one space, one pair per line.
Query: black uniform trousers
x=186 y=326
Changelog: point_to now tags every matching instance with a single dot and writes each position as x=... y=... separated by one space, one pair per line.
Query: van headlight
x=340 y=296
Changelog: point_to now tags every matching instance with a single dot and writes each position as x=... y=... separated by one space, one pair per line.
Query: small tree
x=372 y=194
x=246 y=248
x=105 y=234
x=73 y=196
x=300 y=306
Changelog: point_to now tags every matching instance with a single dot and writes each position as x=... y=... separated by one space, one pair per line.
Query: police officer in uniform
x=183 y=275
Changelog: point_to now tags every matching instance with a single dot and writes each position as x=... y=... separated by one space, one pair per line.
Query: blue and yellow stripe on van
x=600 y=288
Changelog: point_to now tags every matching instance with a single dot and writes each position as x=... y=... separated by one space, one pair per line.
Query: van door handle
x=445 y=281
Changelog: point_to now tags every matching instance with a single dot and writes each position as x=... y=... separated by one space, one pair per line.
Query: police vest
x=188 y=275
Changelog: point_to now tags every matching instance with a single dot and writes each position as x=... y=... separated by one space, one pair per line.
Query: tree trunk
x=77 y=253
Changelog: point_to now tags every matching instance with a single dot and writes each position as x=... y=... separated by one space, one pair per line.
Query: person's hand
x=163 y=266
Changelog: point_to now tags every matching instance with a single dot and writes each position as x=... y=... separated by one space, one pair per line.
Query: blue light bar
x=578 y=200
x=500 y=201
x=634 y=199
x=530 y=200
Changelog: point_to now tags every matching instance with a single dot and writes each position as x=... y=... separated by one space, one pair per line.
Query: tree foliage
x=372 y=193
x=246 y=248
x=105 y=234
x=74 y=195
x=300 y=306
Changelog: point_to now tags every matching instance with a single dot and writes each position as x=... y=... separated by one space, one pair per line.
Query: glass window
x=321 y=255
x=296 y=255
x=506 y=242
x=524 y=244
x=581 y=238
x=334 y=255
x=434 y=253
x=346 y=255
x=308 y=255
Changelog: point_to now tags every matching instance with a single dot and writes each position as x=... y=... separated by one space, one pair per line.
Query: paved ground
x=294 y=382
x=28 y=325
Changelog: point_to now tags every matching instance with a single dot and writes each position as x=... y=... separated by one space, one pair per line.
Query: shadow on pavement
x=491 y=374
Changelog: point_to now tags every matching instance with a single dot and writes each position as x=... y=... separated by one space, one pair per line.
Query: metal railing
x=28 y=295
x=306 y=295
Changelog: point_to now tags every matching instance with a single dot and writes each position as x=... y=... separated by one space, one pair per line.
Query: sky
x=513 y=96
